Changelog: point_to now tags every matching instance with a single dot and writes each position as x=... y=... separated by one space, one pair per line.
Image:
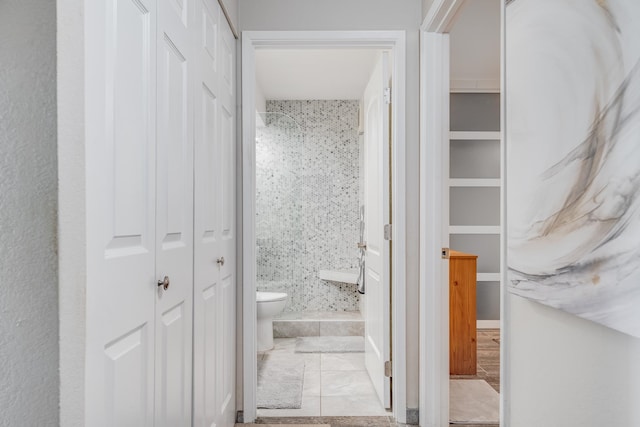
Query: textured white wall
x=28 y=204
x=304 y=15
x=567 y=371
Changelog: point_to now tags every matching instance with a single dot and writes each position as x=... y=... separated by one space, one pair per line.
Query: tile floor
x=335 y=384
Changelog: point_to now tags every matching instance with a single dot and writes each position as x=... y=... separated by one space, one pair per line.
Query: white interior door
x=214 y=246
x=377 y=214
x=174 y=213
x=120 y=204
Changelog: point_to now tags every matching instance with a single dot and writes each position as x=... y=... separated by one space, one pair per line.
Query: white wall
x=231 y=7
x=366 y=15
x=475 y=47
x=426 y=4
x=567 y=371
x=261 y=106
x=28 y=203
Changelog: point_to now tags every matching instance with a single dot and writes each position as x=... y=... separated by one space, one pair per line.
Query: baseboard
x=413 y=416
x=488 y=324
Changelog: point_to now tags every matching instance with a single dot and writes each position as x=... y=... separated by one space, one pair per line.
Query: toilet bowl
x=269 y=305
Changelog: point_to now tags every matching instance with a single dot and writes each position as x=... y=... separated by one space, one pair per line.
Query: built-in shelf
x=474 y=182
x=343 y=276
x=474 y=229
x=488 y=277
x=472 y=187
x=474 y=136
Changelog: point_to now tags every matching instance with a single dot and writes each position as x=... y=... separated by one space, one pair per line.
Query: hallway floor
x=335 y=384
x=367 y=412
x=488 y=358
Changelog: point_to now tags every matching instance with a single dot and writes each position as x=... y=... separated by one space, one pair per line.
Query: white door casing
x=120 y=212
x=395 y=43
x=377 y=214
x=214 y=245
x=174 y=212
x=434 y=230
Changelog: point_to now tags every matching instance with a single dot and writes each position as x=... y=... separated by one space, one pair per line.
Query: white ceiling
x=314 y=73
x=475 y=44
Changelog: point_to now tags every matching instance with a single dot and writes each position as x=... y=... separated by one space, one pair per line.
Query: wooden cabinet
x=462 y=313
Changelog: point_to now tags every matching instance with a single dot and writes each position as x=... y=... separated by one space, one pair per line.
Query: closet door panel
x=174 y=214
x=120 y=211
x=214 y=266
x=226 y=203
x=227 y=365
x=208 y=304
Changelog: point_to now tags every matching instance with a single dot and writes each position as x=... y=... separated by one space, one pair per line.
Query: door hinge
x=388 y=230
x=387 y=369
x=445 y=253
x=387 y=95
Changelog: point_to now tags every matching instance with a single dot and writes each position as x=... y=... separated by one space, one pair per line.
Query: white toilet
x=269 y=304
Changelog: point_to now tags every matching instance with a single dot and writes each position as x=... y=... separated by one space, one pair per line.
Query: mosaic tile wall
x=307 y=201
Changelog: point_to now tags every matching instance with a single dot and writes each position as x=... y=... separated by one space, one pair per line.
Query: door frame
x=395 y=41
x=434 y=276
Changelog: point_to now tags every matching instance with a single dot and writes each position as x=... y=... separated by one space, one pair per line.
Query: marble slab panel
x=573 y=157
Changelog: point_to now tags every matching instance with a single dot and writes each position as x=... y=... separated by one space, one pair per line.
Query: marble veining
x=573 y=156
x=307 y=201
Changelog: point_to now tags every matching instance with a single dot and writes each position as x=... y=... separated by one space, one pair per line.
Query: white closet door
x=214 y=267
x=120 y=212
x=227 y=204
x=207 y=338
x=174 y=213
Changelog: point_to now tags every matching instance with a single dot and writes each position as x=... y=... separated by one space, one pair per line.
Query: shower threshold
x=318 y=323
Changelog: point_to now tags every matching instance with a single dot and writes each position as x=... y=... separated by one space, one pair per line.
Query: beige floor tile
x=310 y=408
x=346 y=383
x=311 y=361
x=283 y=345
x=342 y=362
x=311 y=383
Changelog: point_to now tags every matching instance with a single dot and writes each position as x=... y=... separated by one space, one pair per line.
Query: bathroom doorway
x=316 y=213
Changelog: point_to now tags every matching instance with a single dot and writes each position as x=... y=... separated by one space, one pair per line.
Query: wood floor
x=488 y=358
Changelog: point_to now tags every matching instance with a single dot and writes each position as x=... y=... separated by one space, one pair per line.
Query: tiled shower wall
x=307 y=201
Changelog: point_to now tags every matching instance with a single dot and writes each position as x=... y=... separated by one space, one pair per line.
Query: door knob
x=220 y=261
x=362 y=245
x=164 y=283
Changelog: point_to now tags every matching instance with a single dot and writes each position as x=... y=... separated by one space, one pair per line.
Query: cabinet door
x=174 y=213
x=120 y=211
x=214 y=244
x=462 y=314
